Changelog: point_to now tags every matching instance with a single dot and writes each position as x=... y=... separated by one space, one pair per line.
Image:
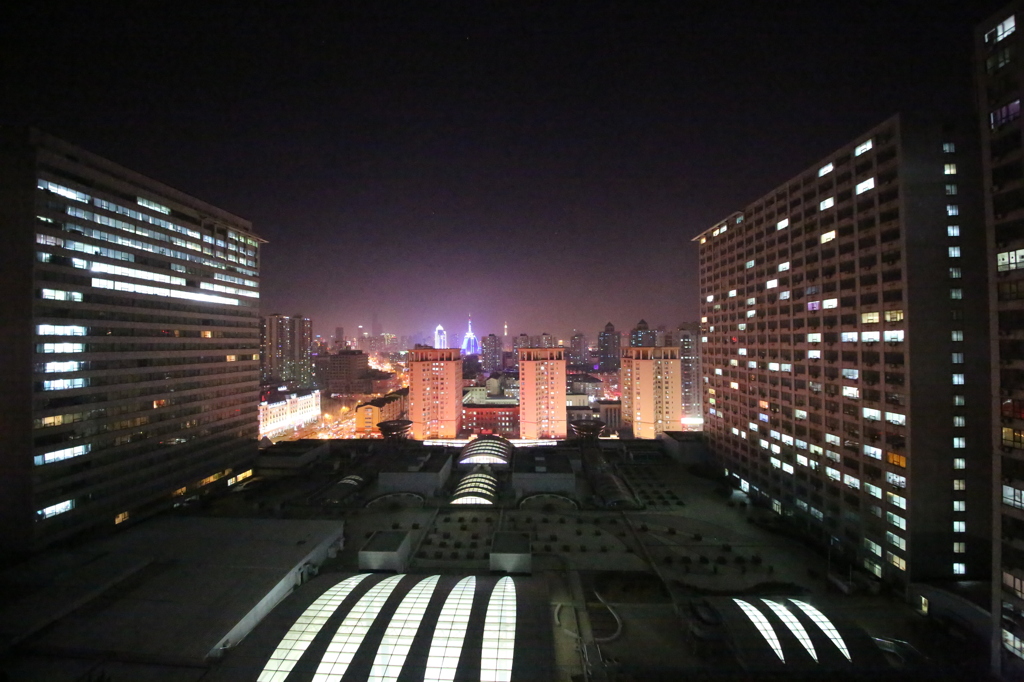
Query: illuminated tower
x=651 y=398
x=491 y=353
x=470 y=346
x=435 y=392
x=542 y=393
x=609 y=348
x=440 y=337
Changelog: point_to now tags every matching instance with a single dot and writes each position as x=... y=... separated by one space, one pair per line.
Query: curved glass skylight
x=353 y=629
x=394 y=647
x=822 y=621
x=763 y=626
x=472 y=499
x=794 y=625
x=483 y=459
x=450 y=632
x=312 y=620
x=499 y=642
x=487 y=450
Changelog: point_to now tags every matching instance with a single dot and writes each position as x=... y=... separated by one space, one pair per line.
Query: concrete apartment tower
x=998 y=75
x=285 y=343
x=542 y=412
x=435 y=392
x=651 y=395
x=846 y=352
x=130 y=346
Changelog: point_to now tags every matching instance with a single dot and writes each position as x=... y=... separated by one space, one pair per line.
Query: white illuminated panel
x=160 y=291
x=825 y=624
x=394 y=647
x=794 y=625
x=499 y=641
x=353 y=629
x=483 y=459
x=472 y=500
x=763 y=626
x=312 y=620
x=450 y=633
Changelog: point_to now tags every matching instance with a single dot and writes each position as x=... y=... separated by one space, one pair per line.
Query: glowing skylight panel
x=794 y=625
x=763 y=626
x=499 y=640
x=353 y=629
x=397 y=640
x=450 y=633
x=825 y=624
x=312 y=620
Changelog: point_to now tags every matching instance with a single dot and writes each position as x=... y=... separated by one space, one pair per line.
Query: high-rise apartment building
x=999 y=75
x=130 y=346
x=687 y=339
x=343 y=372
x=435 y=392
x=643 y=335
x=285 y=344
x=491 y=356
x=651 y=399
x=579 y=350
x=542 y=393
x=609 y=349
x=845 y=357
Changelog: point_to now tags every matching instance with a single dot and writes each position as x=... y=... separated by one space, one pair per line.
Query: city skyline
x=578 y=151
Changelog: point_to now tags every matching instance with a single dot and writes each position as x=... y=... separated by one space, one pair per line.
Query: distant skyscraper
x=687 y=339
x=339 y=337
x=130 y=347
x=650 y=390
x=579 y=353
x=491 y=353
x=609 y=349
x=435 y=392
x=440 y=337
x=542 y=411
x=643 y=335
x=521 y=341
x=470 y=345
x=285 y=345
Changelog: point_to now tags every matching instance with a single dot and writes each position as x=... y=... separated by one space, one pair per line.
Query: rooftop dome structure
x=478 y=487
x=487 y=450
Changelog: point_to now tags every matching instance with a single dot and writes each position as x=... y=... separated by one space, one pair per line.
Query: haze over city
x=544 y=164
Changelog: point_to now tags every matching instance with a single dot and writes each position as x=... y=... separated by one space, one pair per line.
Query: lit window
x=783 y=295
x=1004 y=114
x=826 y=204
x=958 y=379
x=1005 y=28
x=959 y=526
x=896 y=540
x=783 y=266
x=950 y=169
x=952 y=209
x=814 y=305
x=959 y=484
x=948 y=148
x=865 y=186
x=749 y=264
x=893 y=315
x=825 y=170
x=302 y=632
x=59 y=295
x=771 y=284
x=959 y=547
x=955 y=273
x=956 y=294
x=959 y=420
x=782 y=224
x=957 y=335
x=54 y=509
x=959 y=569
x=959 y=506
x=763 y=626
x=869 y=318
x=958 y=400
x=953 y=230
x=831 y=303
x=862 y=147
x=951 y=191
x=959 y=442
x=60 y=455
x=958 y=358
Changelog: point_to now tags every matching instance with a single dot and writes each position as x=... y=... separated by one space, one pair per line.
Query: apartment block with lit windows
x=435 y=392
x=130 y=346
x=999 y=72
x=651 y=395
x=845 y=357
x=542 y=393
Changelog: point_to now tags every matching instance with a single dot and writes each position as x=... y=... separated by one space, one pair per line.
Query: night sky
x=544 y=163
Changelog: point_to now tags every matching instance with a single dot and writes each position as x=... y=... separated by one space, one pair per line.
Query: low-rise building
x=281 y=411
